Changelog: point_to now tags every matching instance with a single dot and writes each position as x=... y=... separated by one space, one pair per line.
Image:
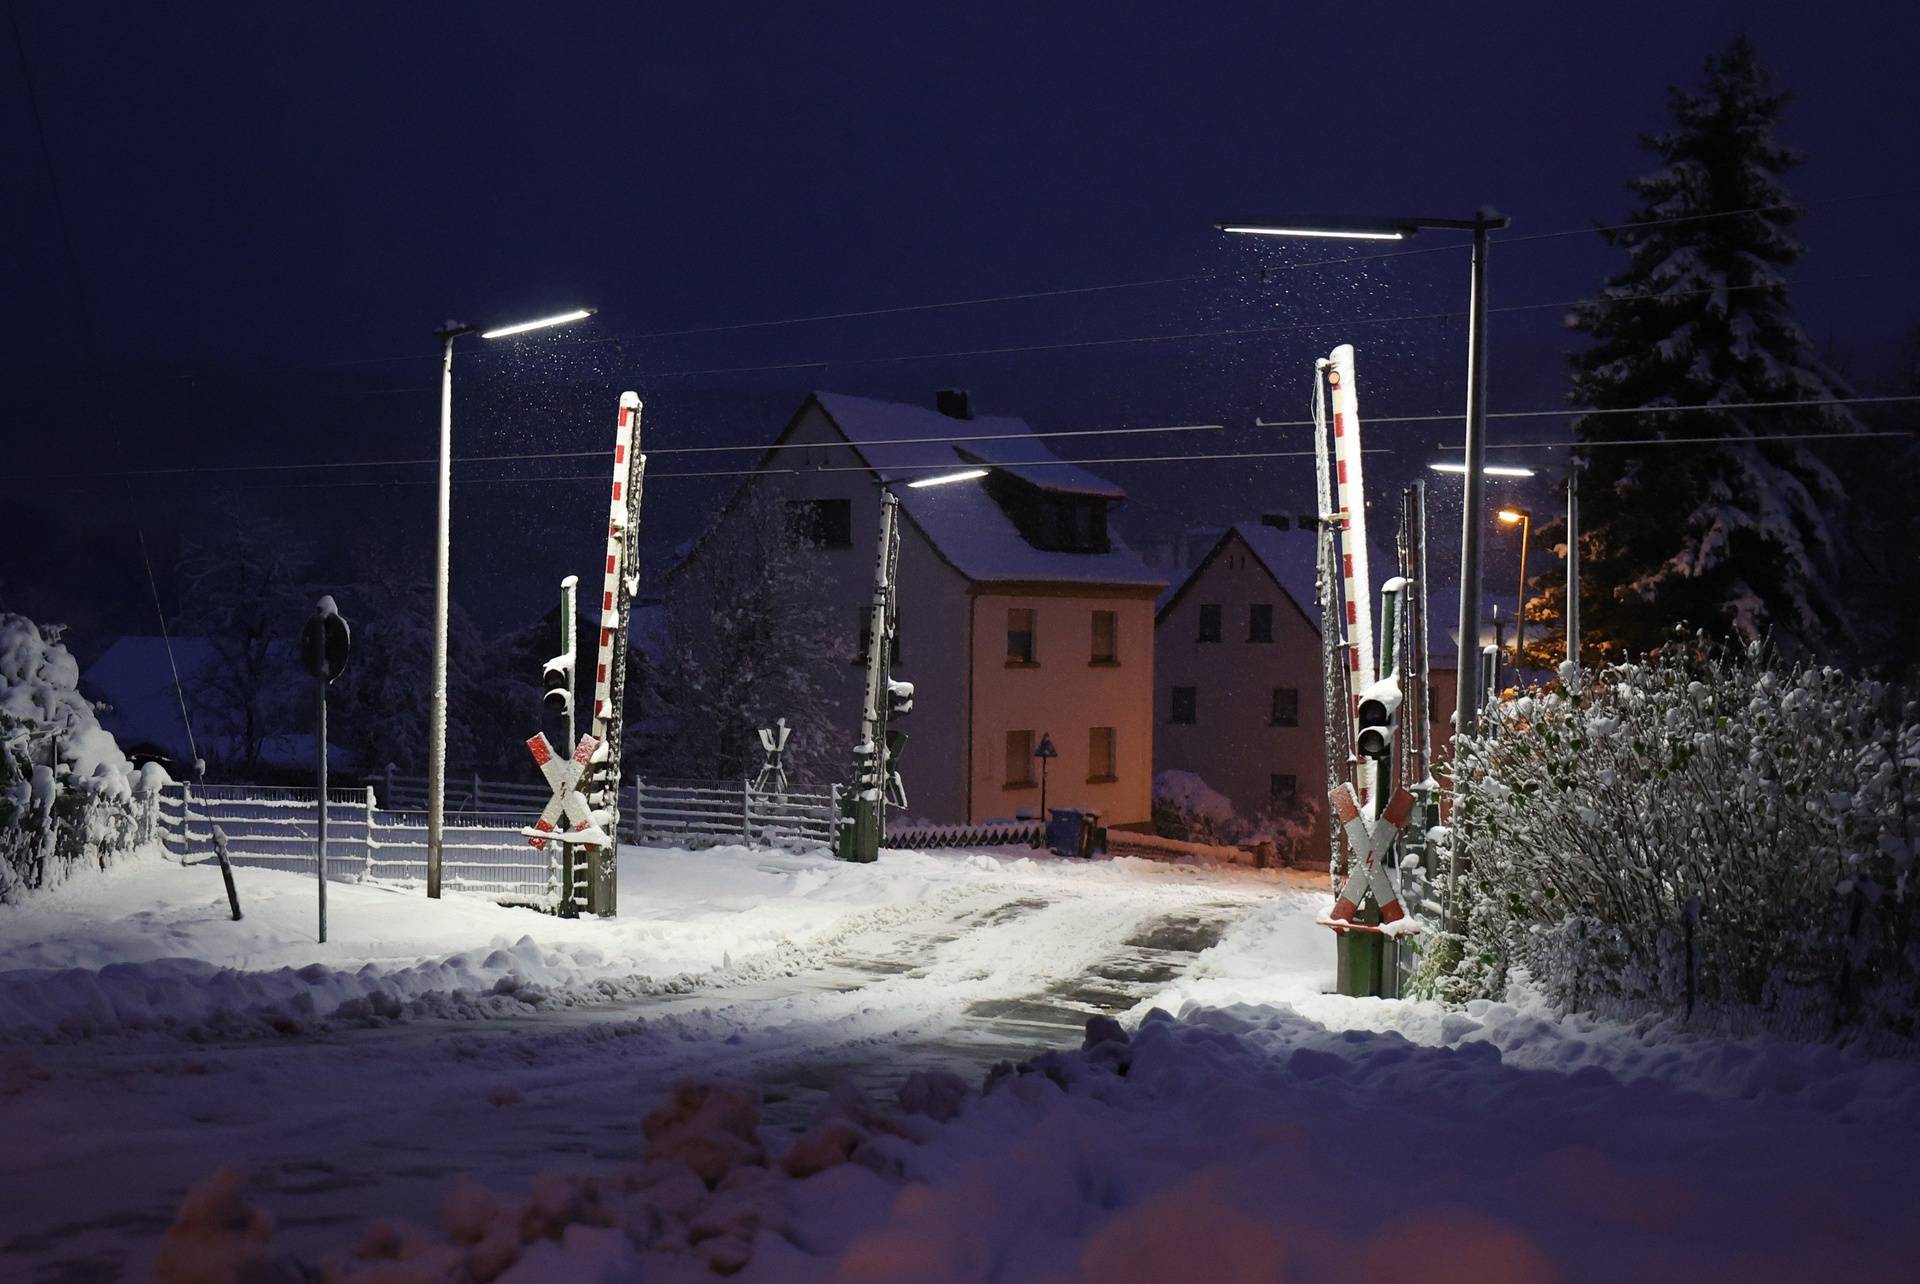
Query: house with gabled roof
x=1021 y=614
x=1238 y=690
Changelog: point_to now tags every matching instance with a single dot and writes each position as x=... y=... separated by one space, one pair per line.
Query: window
x=1184 y=702
x=824 y=523
x=1105 y=629
x=1019 y=759
x=1100 y=757
x=1286 y=707
x=1020 y=636
x=1260 y=622
x=1283 y=789
x=865 y=631
x=1210 y=622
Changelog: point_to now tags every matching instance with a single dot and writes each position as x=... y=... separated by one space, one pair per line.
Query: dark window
x=1210 y=622
x=1019 y=758
x=1260 y=622
x=1020 y=636
x=1286 y=707
x=1283 y=789
x=1101 y=762
x=1105 y=630
x=824 y=523
x=1184 y=703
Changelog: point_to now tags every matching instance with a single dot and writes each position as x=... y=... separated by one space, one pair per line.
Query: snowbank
x=150 y=944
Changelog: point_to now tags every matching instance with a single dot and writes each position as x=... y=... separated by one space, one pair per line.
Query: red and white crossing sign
x=567 y=800
x=1369 y=842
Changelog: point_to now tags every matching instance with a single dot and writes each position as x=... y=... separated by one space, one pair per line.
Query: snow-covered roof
x=1286 y=555
x=962 y=521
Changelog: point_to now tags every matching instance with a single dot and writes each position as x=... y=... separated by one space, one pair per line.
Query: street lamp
x=947 y=479
x=437 y=729
x=1524 y=520
x=1491 y=470
x=1399 y=229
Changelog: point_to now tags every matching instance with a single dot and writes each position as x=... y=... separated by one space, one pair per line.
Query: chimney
x=954 y=403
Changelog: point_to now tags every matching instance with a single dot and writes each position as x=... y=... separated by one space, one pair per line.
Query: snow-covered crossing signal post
x=1362 y=748
x=325 y=643
x=863 y=804
x=599 y=766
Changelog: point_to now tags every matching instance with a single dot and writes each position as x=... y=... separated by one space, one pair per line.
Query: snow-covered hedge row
x=67 y=793
x=1705 y=831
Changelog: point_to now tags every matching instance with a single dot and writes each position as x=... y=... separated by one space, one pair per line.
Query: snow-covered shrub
x=1704 y=830
x=1187 y=808
x=67 y=793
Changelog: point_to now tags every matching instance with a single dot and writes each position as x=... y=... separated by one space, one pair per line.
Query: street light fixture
x=437 y=729
x=1491 y=470
x=945 y=479
x=1524 y=520
x=1399 y=228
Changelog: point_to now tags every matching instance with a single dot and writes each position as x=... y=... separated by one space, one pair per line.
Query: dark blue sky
x=270 y=208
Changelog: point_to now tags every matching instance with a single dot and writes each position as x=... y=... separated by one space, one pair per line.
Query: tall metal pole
x=1573 y=571
x=1520 y=602
x=320 y=770
x=437 y=731
x=1473 y=509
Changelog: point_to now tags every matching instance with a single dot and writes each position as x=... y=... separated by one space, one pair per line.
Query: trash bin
x=1071 y=831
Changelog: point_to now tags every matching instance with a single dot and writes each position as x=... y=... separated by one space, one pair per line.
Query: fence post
x=476 y=791
x=746 y=811
x=366 y=839
x=638 y=795
x=390 y=767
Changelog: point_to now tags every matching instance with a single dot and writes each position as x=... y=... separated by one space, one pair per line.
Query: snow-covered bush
x=1187 y=808
x=1705 y=830
x=67 y=793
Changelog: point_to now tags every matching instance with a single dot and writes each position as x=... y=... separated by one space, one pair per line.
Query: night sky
x=236 y=226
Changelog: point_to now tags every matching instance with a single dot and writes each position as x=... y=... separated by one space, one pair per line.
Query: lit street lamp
x=1491 y=470
x=437 y=730
x=1399 y=229
x=1524 y=520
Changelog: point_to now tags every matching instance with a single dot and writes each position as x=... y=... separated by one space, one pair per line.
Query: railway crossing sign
x=1369 y=843
x=567 y=799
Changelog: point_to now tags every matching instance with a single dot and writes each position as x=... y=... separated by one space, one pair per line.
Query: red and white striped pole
x=1351 y=512
x=626 y=428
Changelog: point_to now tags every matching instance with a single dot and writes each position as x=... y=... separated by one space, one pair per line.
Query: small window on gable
x=824 y=523
x=1184 y=707
x=1286 y=707
x=1260 y=622
x=1210 y=622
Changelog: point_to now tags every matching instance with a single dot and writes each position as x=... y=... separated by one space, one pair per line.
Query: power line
x=1575 y=412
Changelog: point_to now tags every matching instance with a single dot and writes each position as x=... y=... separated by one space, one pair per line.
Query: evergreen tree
x=1730 y=535
x=748 y=640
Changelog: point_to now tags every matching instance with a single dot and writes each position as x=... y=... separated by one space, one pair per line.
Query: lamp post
x=1399 y=229
x=1524 y=520
x=437 y=722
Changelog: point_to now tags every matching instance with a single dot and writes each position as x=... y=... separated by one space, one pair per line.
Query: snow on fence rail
x=464 y=794
x=273 y=827
x=692 y=813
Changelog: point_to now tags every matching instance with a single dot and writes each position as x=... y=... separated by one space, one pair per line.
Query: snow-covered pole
x=1573 y=574
x=620 y=578
x=864 y=805
x=1351 y=524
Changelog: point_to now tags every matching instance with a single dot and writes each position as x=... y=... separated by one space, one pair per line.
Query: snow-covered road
x=953 y=961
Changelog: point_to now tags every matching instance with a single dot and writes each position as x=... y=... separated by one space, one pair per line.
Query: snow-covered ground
x=509 y=1094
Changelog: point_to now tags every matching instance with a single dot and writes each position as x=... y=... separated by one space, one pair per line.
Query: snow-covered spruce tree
x=1735 y=537
x=1707 y=828
x=749 y=640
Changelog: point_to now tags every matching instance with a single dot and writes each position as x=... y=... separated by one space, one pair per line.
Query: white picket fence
x=272 y=827
x=691 y=813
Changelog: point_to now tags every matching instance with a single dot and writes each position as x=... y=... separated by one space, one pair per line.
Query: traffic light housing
x=899 y=698
x=557 y=678
x=1378 y=705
